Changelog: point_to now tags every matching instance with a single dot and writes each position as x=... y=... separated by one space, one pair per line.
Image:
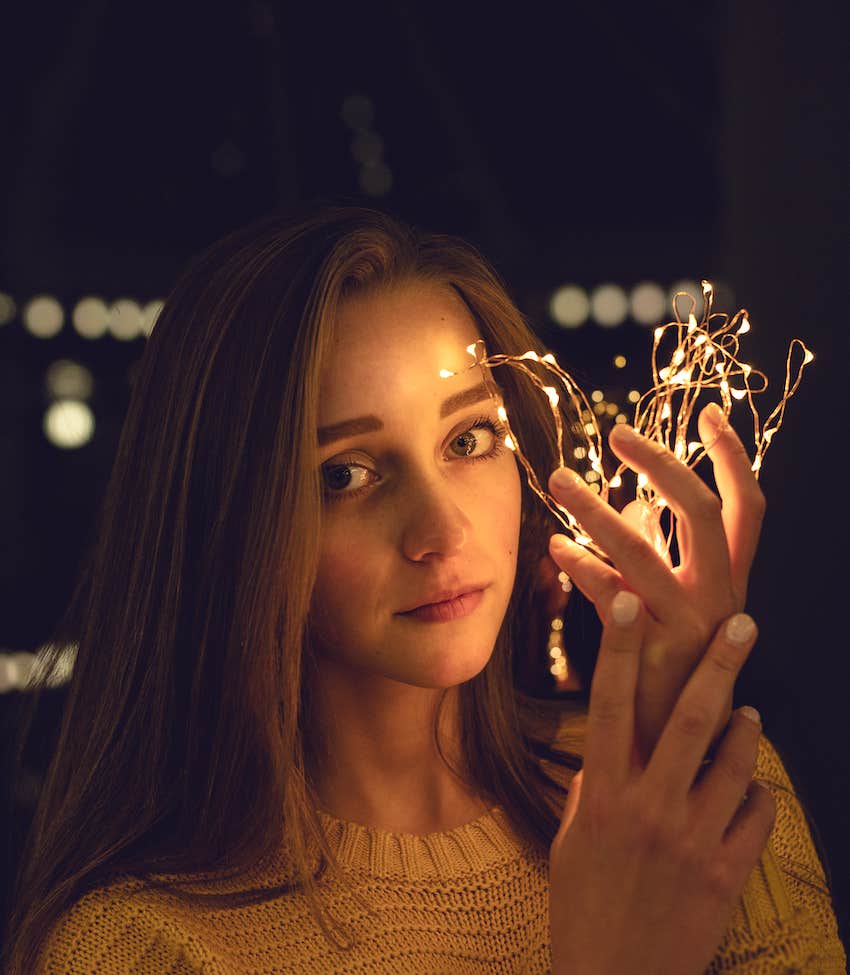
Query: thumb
x=643 y=518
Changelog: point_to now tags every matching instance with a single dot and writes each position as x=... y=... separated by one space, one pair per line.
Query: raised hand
x=717 y=538
x=648 y=863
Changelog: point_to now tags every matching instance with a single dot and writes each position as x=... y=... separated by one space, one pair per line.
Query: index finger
x=609 y=743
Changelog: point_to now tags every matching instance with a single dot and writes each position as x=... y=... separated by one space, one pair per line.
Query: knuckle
x=725 y=659
x=708 y=506
x=737 y=767
x=606 y=709
x=693 y=720
x=719 y=879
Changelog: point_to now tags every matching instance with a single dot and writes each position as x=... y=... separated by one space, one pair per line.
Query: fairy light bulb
x=704 y=358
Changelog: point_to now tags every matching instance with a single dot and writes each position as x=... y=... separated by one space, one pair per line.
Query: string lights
x=705 y=359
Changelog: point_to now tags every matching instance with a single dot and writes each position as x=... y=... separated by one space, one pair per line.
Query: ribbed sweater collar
x=477 y=846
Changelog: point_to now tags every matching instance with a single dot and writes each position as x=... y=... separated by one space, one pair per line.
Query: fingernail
x=740 y=628
x=750 y=713
x=624 y=607
x=714 y=414
x=565 y=479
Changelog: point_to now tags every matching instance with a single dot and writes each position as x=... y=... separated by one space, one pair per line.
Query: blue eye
x=347 y=478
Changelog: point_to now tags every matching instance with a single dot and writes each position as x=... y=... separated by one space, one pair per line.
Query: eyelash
x=496 y=428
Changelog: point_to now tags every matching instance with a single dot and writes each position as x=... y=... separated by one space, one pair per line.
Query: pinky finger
x=747 y=835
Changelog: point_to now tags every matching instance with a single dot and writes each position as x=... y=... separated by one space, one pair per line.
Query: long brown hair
x=184 y=745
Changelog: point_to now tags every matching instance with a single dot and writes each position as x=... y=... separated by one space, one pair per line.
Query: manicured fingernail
x=740 y=628
x=566 y=479
x=624 y=607
x=750 y=713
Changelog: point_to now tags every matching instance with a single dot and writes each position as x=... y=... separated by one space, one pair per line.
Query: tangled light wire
x=705 y=358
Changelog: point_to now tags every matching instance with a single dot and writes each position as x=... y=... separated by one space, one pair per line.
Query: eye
x=479 y=440
x=482 y=434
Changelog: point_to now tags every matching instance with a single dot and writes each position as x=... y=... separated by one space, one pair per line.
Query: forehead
x=397 y=341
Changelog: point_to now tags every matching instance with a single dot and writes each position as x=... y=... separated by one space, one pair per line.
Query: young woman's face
x=422 y=498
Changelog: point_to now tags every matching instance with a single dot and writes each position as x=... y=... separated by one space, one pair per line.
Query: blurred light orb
x=358 y=111
x=367 y=147
x=683 y=305
x=68 y=424
x=150 y=313
x=7 y=308
x=125 y=320
x=633 y=396
x=569 y=306
x=620 y=362
x=609 y=305
x=376 y=180
x=91 y=317
x=66 y=379
x=44 y=316
x=648 y=303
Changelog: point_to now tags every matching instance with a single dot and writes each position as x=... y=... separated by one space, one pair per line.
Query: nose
x=435 y=526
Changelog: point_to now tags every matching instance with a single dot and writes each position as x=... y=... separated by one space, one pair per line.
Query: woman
x=293 y=740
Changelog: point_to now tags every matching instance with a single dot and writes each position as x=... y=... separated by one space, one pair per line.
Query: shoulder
x=121 y=928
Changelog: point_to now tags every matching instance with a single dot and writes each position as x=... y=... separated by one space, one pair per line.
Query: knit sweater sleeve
x=110 y=933
x=784 y=921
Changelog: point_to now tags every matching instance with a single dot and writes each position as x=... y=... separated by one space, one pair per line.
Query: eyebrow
x=370 y=423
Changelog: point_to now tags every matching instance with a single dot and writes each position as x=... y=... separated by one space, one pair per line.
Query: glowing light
x=68 y=424
x=66 y=379
x=150 y=314
x=569 y=306
x=597 y=396
x=633 y=396
x=619 y=361
x=125 y=320
x=444 y=374
x=704 y=357
x=44 y=317
x=609 y=305
x=7 y=308
x=91 y=317
x=647 y=303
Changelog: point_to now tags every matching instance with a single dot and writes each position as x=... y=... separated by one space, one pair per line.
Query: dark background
x=602 y=143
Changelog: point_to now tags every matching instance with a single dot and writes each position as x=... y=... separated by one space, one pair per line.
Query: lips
x=445 y=595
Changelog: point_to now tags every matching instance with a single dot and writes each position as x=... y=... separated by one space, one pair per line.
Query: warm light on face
x=705 y=358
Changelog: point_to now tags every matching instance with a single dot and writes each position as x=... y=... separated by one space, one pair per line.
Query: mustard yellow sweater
x=468 y=901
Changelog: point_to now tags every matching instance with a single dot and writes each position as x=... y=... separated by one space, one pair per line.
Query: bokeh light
x=125 y=320
x=44 y=316
x=91 y=317
x=66 y=379
x=647 y=303
x=68 y=424
x=7 y=308
x=609 y=305
x=569 y=306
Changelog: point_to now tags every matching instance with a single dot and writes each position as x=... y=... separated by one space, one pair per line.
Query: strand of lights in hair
x=705 y=359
